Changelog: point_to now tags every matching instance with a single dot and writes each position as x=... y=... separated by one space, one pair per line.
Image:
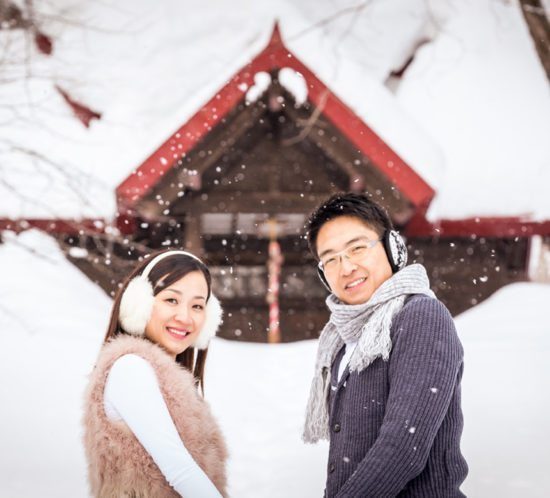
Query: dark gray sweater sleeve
x=424 y=363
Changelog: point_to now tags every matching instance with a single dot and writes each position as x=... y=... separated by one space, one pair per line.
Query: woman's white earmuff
x=214 y=314
x=137 y=301
x=136 y=305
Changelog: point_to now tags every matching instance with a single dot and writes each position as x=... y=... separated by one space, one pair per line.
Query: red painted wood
x=43 y=42
x=417 y=227
x=479 y=227
x=274 y=56
x=83 y=113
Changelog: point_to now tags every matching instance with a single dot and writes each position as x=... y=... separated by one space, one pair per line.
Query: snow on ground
x=506 y=398
x=52 y=321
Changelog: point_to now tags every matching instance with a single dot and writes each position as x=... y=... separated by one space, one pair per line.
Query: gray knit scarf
x=367 y=324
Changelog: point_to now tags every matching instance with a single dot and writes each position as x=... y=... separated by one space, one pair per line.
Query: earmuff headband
x=160 y=257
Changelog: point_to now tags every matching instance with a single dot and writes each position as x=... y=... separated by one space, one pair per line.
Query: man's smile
x=355 y=283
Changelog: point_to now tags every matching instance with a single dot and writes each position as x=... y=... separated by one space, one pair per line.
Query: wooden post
x=274 y=263
x=193 y=241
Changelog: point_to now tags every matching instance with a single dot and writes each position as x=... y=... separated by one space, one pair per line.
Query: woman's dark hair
x=165 y=273
x=347 y=204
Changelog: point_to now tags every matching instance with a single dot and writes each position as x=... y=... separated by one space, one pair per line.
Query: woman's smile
x=178 y=333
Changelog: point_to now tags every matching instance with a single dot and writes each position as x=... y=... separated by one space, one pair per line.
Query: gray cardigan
x=395 y=427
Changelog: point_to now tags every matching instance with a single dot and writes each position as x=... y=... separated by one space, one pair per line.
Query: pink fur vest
x=118 y=466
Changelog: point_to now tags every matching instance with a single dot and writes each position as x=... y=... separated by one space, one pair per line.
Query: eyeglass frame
x=370 y=244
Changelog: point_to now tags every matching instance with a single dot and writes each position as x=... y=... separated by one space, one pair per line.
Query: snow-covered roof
x=480 y=91
x=149 y=66
x=252 y=80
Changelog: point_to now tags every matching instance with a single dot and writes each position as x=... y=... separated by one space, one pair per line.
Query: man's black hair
x=347 y=204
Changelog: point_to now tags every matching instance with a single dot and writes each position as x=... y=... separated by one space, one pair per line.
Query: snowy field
x=52 y=321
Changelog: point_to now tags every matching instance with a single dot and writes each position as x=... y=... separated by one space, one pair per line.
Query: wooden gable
x=324 y=123
x=271 y=160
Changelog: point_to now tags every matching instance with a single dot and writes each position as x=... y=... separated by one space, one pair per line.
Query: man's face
x=354 y=264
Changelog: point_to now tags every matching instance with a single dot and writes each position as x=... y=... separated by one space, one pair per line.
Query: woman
x=147 y=432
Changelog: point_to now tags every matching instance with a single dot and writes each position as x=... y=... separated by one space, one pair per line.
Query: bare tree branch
x=354 y=9
x=310 y=123
x=7 y=312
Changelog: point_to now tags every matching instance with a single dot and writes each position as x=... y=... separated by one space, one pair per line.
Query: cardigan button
x=331 y=468
x=336 y=427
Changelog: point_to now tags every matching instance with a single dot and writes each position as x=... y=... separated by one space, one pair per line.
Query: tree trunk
x=539 y=28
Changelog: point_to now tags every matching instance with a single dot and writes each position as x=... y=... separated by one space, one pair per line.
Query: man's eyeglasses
x=354 y=253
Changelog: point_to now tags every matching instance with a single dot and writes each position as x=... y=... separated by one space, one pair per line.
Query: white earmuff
x=214 y=314
x=137 y=301
x=136 y=305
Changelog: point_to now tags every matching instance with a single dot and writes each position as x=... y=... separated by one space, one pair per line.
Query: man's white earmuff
x=137 y=301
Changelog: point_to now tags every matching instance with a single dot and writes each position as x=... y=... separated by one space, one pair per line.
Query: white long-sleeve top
x=132 y=394
x=350 y=348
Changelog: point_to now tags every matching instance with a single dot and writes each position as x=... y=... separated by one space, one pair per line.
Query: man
x=386 y=390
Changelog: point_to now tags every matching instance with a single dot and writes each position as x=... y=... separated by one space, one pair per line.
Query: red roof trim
x=275 y=55
x=59 y=226
x=479 y=227
x=418 y=227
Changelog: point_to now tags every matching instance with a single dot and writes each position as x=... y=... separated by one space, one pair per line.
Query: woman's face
x=178 y=313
